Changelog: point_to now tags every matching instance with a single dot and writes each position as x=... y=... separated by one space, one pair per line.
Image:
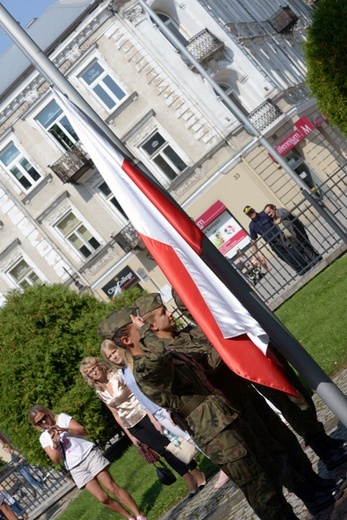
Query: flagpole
x=285 y=342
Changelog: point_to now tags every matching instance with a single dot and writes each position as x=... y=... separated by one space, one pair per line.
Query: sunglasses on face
x=40 y=421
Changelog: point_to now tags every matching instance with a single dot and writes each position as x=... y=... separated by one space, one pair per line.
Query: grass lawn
x=316 y=316
x=140 y=480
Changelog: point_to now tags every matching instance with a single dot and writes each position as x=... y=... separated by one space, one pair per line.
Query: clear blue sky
x=23 y=11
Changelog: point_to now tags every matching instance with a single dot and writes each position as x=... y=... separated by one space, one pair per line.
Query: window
x=24 y=275
x=163 y=156
x=230 y=93
x=103 y=86
x=19 y=166
x=173 y=27
x=78 y=235
x=107 y=193
x=57 y=124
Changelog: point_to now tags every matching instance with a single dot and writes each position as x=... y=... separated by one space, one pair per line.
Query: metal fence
x=312 y=247
x=31 y=487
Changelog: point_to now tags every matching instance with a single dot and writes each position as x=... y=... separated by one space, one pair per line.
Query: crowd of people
x=154 y=379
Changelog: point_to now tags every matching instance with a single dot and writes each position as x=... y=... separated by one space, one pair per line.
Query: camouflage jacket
x=174 y=384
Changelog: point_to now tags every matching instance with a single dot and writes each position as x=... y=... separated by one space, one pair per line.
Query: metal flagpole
x=249 y=127
x=285 y=342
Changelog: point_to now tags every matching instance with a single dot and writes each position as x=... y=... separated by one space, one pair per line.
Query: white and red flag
x=174 y=241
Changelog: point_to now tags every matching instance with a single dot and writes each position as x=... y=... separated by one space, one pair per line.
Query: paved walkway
x=228 y=503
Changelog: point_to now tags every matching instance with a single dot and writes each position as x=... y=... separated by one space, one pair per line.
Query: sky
x=23 y=11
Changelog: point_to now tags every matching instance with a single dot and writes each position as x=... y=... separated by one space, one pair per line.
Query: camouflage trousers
x=274 y=445
x=299 y=412
x=230 y=451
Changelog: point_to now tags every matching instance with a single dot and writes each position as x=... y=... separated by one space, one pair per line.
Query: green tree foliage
x=326 y=55
x=44 y=333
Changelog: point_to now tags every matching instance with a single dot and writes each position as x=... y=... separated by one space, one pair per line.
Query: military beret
x=114 y=321
x=148 y=302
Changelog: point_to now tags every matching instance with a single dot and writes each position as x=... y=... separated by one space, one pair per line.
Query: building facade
x=59 y=222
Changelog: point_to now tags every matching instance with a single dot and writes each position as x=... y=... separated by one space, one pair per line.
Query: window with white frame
x=173 y=27
x=108 y=195
x=76 y=233
x=55 y=122
x=19 y=167
x=23 y=274
x=163 y=156
x=99 y=81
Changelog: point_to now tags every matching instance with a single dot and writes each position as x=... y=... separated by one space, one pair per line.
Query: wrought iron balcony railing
x=264 y=115
x=203 y=45
x=73 y=164
x=128 y=239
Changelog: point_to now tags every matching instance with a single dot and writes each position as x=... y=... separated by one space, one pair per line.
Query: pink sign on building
x=222 y=229
x=303 y=128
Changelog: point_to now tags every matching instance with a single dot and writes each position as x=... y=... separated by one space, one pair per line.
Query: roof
x=45 y=31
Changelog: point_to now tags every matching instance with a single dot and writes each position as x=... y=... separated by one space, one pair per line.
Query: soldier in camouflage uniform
x=217 y=428
x=299 y=411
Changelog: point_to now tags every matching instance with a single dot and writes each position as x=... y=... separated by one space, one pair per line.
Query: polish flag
x=174 y=241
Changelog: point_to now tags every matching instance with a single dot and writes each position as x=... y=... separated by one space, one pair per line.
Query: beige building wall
x=223 y=161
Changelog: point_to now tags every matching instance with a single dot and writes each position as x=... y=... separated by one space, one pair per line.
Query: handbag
x=165 y=474
x=147 y=453
x=185 y=451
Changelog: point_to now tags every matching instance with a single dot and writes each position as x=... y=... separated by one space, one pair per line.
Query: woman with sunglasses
x=63 y=439
x=137 y=422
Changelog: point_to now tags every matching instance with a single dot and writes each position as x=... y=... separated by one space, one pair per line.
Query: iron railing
x=128 y=239
x=317 y=245
x=32 y=487
x=264 y=115
x=73 y=164
x=203 y=45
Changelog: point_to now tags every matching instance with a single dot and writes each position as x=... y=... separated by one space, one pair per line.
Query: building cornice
x=29 y=90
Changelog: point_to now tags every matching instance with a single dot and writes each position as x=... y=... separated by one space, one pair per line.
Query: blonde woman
x=137 y=422
x=63 y=439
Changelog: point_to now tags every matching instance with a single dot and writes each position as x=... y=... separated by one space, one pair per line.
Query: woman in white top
x=63 y=439
x=137 y=422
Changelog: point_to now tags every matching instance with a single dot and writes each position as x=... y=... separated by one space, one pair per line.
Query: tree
x=45 y=331
x=326 y=56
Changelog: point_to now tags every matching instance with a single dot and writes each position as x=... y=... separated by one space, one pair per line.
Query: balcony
x=73 y=164
x=203 y=45
x=264 y=115
x=283 y=20
x=128 y=239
